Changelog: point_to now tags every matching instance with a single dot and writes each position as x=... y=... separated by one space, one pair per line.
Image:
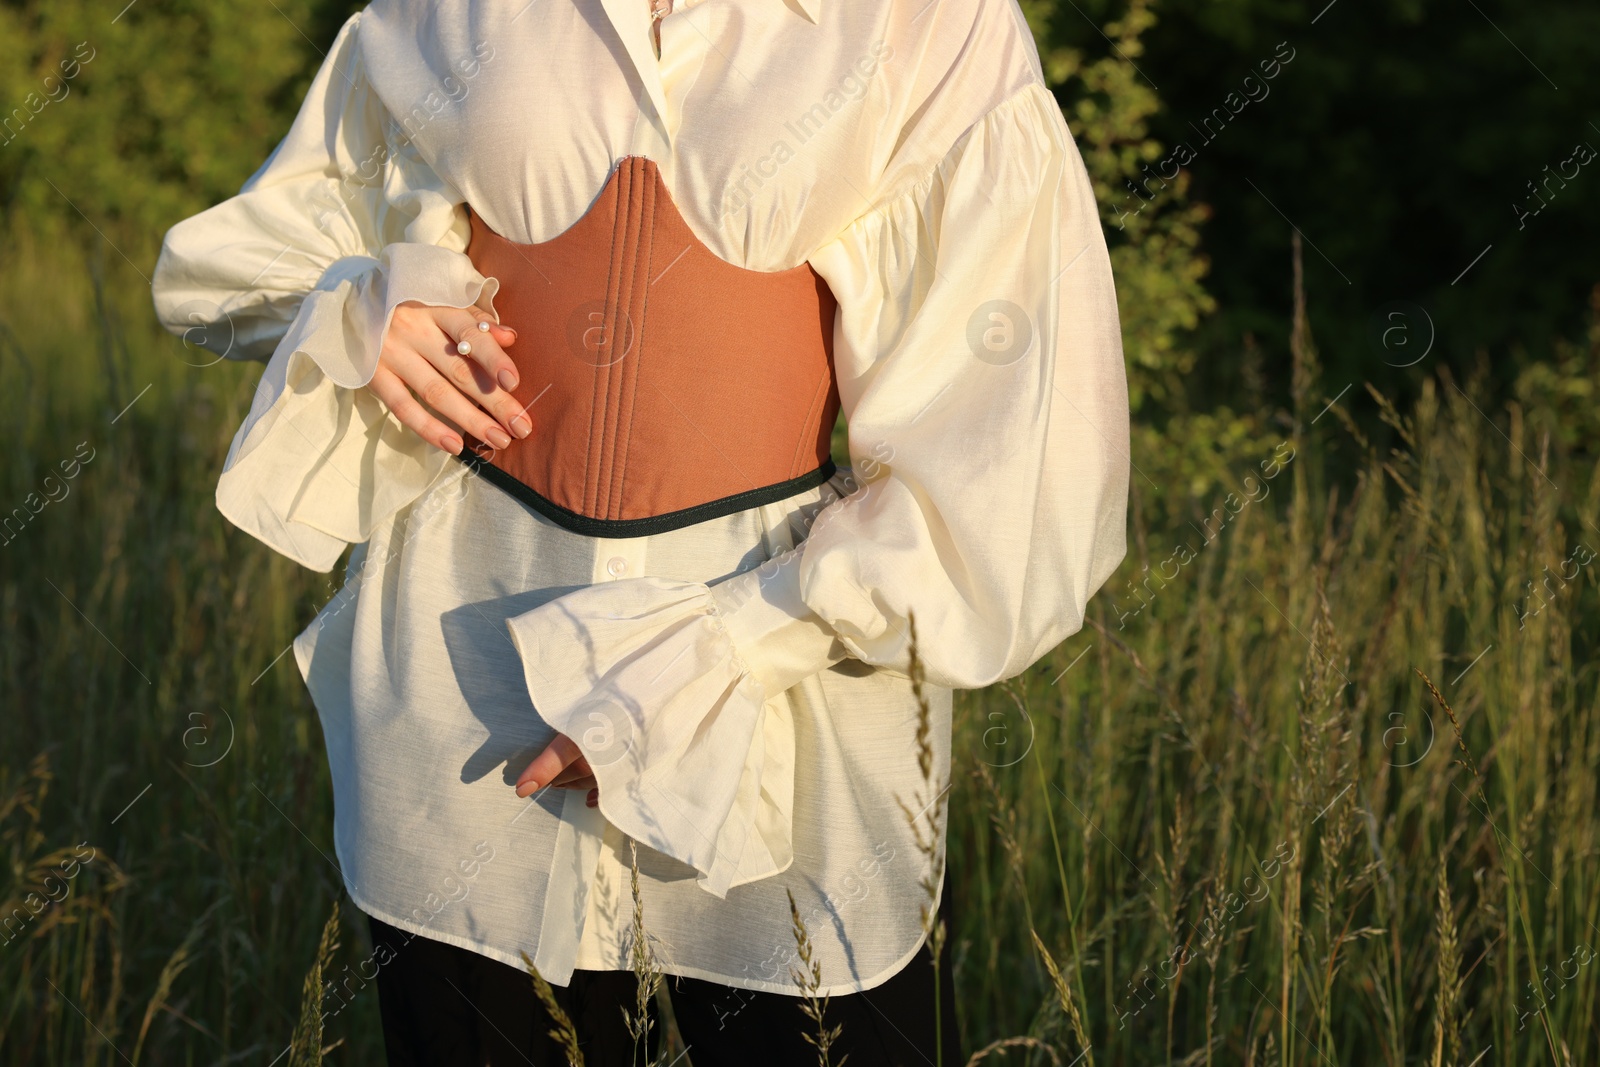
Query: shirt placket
x=580 y=856
x=663 y=80
x=618 y=558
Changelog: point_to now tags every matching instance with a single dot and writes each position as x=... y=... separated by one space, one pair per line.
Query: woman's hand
x=439 y=393
x=562 y=766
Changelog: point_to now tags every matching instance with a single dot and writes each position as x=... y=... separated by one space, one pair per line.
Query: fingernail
x=521 y=425
x=530 y=786
x=509 y=330
x=593 y=799
x=498 y=437
x=508 y=379
x=452 y=444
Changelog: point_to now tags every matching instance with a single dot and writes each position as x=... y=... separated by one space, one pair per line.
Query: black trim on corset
x=652 y=524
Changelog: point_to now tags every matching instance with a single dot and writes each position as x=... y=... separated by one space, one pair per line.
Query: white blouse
x=739 y=685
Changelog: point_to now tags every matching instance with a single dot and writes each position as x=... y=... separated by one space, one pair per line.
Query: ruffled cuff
x=650 y=678
x=777 y=634
x=344 y=321
x=319 y=461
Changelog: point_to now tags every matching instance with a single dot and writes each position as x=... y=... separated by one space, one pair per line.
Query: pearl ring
x=465 y=349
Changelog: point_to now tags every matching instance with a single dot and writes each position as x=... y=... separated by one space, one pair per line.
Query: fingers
x=421 y=352
x=479 y=312
x=503 y=335
x=461 y=325
x=561 y=766
x=578 y=771
x=389 y=388
x=557 y=756
x=441 y=396
x=485 y=374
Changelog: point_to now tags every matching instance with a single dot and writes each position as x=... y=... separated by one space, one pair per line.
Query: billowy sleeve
x=979 y=361
x=303 y=269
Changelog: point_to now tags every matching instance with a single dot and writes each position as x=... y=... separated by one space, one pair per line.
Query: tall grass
x=1226 y=823
x=1277 y=850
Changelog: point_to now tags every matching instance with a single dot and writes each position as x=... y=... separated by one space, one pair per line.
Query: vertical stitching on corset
x=630 y=377
x=617 y=366
x=591 y=457
x=602 y=371
x=609 y=324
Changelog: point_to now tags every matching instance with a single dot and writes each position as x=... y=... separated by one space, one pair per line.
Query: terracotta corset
x=666 y=386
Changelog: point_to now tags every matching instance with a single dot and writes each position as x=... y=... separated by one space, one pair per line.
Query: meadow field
x=1316 y=785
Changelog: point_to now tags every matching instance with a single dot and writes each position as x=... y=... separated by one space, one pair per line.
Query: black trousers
x=444 y=1006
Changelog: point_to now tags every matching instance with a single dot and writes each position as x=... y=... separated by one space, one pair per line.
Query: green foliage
x=1401 y=141
x=176 y=104
x=1563 y=391
x=1154 y=246
x=1153 y=229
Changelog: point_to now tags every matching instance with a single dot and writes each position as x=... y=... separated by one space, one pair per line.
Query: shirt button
x=617 y=567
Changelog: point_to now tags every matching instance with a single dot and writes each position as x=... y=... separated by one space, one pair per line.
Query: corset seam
x=617 y=366
x=631 y=369
x=807 y=430
x=597 y=493
x=597 y=412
